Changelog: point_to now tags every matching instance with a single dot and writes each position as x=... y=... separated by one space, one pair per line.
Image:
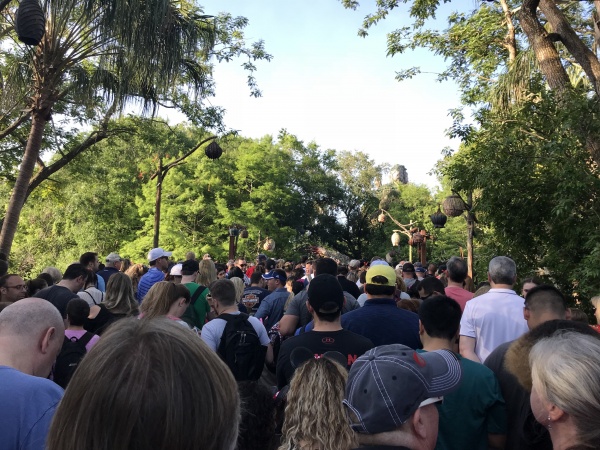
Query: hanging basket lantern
x=438 y=219
x=417 y=238
x=244 y=234
x=213 y=150
x=381 y=218
x=396 y=239
x=30 y=23
x=234 y=232
x=269 y=245
x=453 y=205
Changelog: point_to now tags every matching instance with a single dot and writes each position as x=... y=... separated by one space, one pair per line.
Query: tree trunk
x=159 y=181
x=510 y=42
x=543 y=47
x=19 y=193
x=470 y=229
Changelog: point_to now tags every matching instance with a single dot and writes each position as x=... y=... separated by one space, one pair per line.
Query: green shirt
x=473 y=411
x=195 y=314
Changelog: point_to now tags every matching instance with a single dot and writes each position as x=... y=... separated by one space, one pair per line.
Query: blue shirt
x=147 y=281
x=27 y=404
x=101 y=284
x=271 y=308
x=106 y=273
x=384 y=323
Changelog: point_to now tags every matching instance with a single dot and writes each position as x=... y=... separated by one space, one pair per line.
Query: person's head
x=380 y=281
x=596 y=307
x=516 y=359
x=529 y=284
x=431 y=269
x=578 y=315
x=165 y=298
x=119 y=297
x=159 y=258
x=325 y=265
x=544 y=303
x=89 y=260
x=31 y=336
x=221 y=270
x=257 y=424
x=502 y=271
x=566 y=393
x=168 y=390
x=275 y=279
x=113 y=260
x=325 y=298
x=135 y=272
x=457 y=269
x=430 y=286
x=190 y=269
x=75 y=277
x=235 y=272
x=207 y=272
x=12 y=288
x=241 y=264
x=54 y=273
x=35 y=285
x=439 y=318
x=256 y=278
x=393 y=388
x=352 y=276
x=77 y=311
x=47 y=278
x=314 y=414
x=223 y=294
x=190 y=255
x=91 y=280
x=408 y=270
x=354 y=265
x=239 y=285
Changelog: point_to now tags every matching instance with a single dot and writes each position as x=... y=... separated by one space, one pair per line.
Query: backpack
x=240 y=348
x=73 y=350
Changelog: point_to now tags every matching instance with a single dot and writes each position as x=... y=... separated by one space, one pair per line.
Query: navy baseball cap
x=277 y=274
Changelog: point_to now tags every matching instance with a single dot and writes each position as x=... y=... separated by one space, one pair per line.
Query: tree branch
x=13 y=126
x=184 y=156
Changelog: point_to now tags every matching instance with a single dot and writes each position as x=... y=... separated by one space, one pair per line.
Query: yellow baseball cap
x=382 y=270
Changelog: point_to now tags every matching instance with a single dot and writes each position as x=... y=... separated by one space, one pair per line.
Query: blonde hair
x=596 y=301
x=239 y=285
x=159 y=299
x=565 y=370
x=150 y=384
x=314 y=415
x=119 y=298
x=135 y=272
x=207 y=272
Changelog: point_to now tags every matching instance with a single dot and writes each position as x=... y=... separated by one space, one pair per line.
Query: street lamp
x=235 y=231
x=454 y=206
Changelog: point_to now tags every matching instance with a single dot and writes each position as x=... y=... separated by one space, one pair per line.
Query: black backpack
x=241 y=349
x=73 y=350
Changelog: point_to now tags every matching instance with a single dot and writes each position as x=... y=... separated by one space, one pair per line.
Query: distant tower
x=399 y=174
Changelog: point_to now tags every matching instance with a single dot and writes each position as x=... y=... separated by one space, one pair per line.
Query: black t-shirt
x=346 y=342
x=59 y=296
x=348 y=286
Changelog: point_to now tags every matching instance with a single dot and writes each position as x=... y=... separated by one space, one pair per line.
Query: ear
x=526 y=314
x=418 y=425
x=568 y=314
x=310 y=308
x=554 y=412
x=46 y=339
x=489 y=278
x=421 y=328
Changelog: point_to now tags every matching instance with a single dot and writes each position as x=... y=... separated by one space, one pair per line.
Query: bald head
x=29 y=317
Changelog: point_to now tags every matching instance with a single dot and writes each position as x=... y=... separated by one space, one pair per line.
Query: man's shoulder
x=495 y=360
x=20 y=383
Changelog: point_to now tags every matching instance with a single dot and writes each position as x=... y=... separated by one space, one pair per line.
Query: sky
x=325 y=84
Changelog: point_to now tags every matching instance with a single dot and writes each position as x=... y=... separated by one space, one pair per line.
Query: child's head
x=77 y=311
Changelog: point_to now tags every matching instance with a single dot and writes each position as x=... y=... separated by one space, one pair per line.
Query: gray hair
x=565 y=371
x=457 y=269
x=29 y=317
x=54 y=273
x=502 y=270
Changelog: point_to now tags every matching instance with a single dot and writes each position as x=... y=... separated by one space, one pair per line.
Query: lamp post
x=404 y=229
x=455 y=206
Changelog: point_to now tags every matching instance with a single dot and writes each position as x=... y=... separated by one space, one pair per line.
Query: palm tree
x=115 y=51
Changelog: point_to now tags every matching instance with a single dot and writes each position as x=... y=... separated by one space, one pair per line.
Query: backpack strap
x=233 y=317
x=86 y=338
x=92 y=297
x=197 y=293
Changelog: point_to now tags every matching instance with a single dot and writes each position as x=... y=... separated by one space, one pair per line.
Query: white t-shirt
x=493 y=319
x=213 y=330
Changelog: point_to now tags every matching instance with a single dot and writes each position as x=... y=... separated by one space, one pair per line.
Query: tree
x=99 y=56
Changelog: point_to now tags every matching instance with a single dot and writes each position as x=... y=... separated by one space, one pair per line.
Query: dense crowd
x=275 y=354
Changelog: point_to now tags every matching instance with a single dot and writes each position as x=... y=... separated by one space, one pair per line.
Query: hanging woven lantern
x=418 y=238
x=244 y=234
x=30 y=23
x=438 y=219
x=396 y=239
x=381 y=218
x=269 y=245
x=453 y=205
x=213 y=150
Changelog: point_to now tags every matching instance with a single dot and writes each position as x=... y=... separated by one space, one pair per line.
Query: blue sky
x=326 y=84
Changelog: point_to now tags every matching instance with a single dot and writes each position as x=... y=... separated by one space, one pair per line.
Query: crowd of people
x=307 y=355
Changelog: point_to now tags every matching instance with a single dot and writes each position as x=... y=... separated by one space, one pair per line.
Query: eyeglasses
x=19 y=287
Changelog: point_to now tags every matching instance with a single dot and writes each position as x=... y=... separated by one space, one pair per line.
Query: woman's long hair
x=314 y=415
x=119 y=298
x=160 y=298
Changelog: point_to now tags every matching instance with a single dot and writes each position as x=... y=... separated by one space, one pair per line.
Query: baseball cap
x=408 y=267
x=420 y=269
x=378 y=262
x=156 y=253
x=389 y=383
x=277 y=274
x=384 y=271
x=176 y=270
x=354 y=264
x=325 y=294
x=261 y=257
x=190 y=266
x=113 y=257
